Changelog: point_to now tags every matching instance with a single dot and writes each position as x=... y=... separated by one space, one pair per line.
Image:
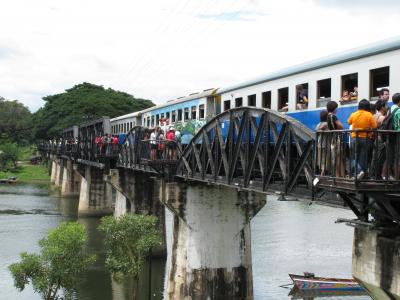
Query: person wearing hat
x=171 y=146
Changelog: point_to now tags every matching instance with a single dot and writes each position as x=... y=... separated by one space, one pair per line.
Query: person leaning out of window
x=361 y=141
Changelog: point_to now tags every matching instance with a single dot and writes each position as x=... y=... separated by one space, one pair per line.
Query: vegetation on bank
x=28 y=173
x=15 y=162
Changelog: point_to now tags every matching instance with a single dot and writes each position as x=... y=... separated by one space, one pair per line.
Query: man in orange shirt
x=361 y=143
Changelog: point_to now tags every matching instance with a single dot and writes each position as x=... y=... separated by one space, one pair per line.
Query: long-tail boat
x=308 y=281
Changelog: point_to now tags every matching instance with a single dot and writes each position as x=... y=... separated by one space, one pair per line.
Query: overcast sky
x=165 y=49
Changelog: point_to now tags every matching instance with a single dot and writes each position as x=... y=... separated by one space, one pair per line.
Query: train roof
x=205 y=93
x=349 y=55
x=130 y=115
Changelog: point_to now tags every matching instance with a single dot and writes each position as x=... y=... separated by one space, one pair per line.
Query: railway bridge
x=244 y=154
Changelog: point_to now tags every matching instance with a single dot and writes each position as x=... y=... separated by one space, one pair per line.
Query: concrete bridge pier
x=53 y=174
x=95 y=197
x=376 y=262
x=139 y=193
x=211 y=249
x=70 y=180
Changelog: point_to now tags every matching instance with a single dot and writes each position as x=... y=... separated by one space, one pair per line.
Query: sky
x=162 y=50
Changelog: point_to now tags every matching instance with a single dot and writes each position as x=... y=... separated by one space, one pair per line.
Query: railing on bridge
x=140 y=152
x=363 y=167
x=358 y=159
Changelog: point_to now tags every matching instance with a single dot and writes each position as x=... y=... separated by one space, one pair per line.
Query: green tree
x=55 y=271
x=15 y=122
x=81 y=103
x=128 y=241
x=8 y=156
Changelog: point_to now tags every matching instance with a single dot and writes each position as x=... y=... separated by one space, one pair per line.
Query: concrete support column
x=376 y=262
x=70 y=180
x=59 y=172
x=120 y=204
x=95 y=198
x=140 y=194
x=211 y=249
x=53 y=171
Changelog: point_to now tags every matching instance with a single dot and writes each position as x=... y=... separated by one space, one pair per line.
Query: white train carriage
x=369 y=68
x=122 y=124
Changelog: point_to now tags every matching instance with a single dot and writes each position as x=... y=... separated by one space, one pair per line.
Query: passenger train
x=368 y=69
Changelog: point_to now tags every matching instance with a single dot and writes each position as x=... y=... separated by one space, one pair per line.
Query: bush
x=128 y=241
x=62 y=259
x=8 y=156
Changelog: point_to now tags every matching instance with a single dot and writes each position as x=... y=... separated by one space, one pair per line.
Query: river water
x=287 y=237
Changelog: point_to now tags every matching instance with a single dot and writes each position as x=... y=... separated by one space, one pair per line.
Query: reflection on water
x=311 y=295
x=287 y=237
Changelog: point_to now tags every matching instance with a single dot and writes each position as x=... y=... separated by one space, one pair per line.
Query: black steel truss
x=252 y=148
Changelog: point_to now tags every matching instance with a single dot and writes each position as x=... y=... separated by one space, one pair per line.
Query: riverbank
x=26 y=172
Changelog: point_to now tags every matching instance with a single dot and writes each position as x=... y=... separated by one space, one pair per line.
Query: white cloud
x=165 y=49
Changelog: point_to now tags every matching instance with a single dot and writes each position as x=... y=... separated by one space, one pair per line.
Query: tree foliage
x=8 y=156
x=15 y=122
x=81 y=103
x=55 y=271
x=128 y=241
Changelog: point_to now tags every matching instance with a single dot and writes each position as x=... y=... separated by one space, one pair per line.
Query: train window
x=379 y=78
x=124 y=127
x=266 y=99
x=186 y=113
x=283 y=99
x=194 y=113
x=349 y=88
x=179 y=114
x=239 y=102
x=201 y=111
x=324 y=89
x=167 y=115
x=252 y=100
x=227 y=105
x=131 y=125
x=152 y=121
x=173 y=116
x=148 y=122
x=157 y=119
x=162 y=115
x=302 y=96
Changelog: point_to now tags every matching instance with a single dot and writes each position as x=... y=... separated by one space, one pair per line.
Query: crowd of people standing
x=371 y=153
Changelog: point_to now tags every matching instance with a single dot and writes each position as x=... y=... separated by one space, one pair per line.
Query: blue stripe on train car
x=310 y=118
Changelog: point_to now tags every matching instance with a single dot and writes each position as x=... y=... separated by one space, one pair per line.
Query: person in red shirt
x=171 y=143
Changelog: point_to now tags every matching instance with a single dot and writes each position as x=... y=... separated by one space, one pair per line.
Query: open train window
x=239 y=102
x=131 y=126
x=186 y=110
x=302 y=96
x=349 y=88
x=251 y=100
x=201 y=111
x=194 y=113
x=324 y=90
x=227 y=105
x=173 y=116
x=157 y=119
x=152 y=121
x=266 y=99
x=379 y=78
x=148 y=121
x=167 y=115
x=179 y=114
x=283 y=99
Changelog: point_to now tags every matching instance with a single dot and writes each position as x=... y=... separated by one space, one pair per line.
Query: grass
x=27 y=172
